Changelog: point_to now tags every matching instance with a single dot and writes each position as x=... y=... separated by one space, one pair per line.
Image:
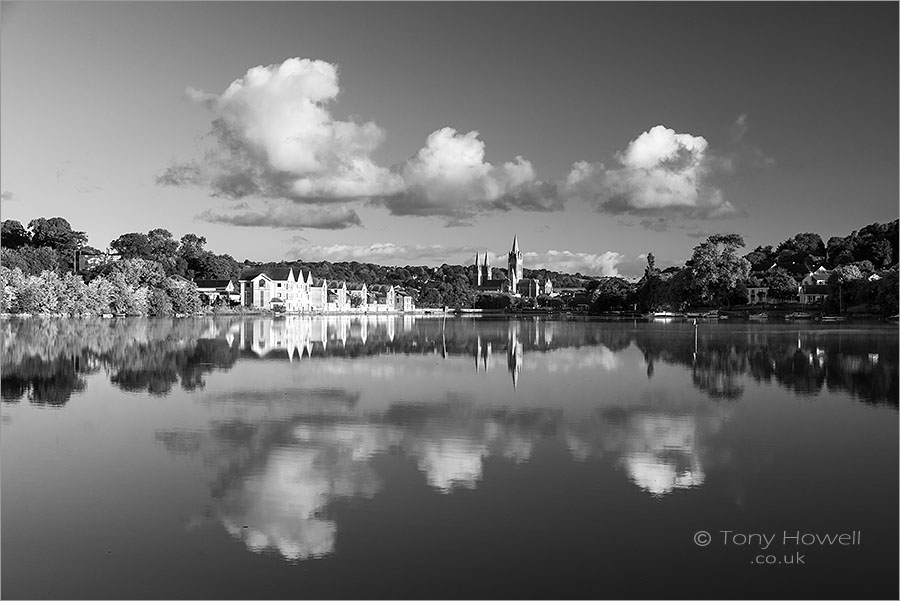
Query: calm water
x=431 y=457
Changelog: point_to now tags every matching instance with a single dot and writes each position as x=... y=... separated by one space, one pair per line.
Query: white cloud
x=328 y=217
x=274 y=137
x=450 y=177
x=661 y=172
x=566 y=261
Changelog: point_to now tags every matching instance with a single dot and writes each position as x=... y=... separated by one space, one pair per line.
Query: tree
x=31 y=260
x=716 y=269
x=782 y=286
x=843 y=284
x=139 y=272
x=13 y=234
x=133 y=245
x=164 y=250
x=56 y=233
x=761 y=258
x=610 y=294
x=647 y=287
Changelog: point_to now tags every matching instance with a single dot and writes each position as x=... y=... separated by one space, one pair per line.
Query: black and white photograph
x=449 y=300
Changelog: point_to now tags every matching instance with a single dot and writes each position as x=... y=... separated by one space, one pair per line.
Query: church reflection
x=48 y=361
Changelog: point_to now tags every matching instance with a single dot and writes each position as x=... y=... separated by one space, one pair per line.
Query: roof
x=380 y=288
x=212 y=283
x=273 y=273
x=319 y=282
x=356 y=286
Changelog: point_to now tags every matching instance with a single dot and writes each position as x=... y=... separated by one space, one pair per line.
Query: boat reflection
x=49 y=360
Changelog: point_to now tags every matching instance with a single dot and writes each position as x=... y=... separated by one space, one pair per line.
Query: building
x=515 y=275
x=277 y=288
x=818 y=277
x=534 y=287
x=337 y=297
x=318 y=294
x=284 y=289
x=404 y=300
x=813 y=294
x=516 y=267
x=213 y=290
x=758 y=295
x=357 y=295
x=382 y=297
x=483 y=279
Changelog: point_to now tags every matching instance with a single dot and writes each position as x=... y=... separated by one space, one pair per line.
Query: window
x=278 y=284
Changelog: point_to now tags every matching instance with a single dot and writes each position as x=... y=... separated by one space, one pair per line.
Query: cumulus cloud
x=449 y=177
x=273 y=136
x=603 y=264
x=7 y=196
x=661 y=172
x=327 y=217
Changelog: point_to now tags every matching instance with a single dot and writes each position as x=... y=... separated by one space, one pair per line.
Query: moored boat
x=798 y=315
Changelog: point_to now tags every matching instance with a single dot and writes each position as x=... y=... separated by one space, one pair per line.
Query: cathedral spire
x=515 y=246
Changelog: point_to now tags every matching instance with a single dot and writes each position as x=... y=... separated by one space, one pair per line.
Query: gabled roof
x=318 y=282
x=356 y=286
x=212 y=283
x=273 y=273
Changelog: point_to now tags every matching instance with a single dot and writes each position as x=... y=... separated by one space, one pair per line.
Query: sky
x=422 y=133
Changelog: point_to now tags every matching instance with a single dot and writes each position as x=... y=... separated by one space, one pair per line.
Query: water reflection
x=274 y=480
x=49 y=360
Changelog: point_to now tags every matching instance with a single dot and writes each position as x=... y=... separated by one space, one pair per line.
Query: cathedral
x=516 y=284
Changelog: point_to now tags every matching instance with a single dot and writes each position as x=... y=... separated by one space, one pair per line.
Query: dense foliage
x=146 y=271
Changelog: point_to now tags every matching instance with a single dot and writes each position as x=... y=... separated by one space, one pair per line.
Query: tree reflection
x=48 y=359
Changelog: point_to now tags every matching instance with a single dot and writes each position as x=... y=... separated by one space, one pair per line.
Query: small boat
x=798 y=315
x=834 y=318
x=107 y=316
x=722 y=316
x=758 y=316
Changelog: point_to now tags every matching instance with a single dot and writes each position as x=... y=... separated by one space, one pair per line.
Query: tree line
x=863 y=275
x=36 y=273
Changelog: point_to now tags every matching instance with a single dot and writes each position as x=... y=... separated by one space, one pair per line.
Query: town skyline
x=590 y=148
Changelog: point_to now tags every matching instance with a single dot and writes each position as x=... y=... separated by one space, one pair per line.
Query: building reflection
x=48 y=361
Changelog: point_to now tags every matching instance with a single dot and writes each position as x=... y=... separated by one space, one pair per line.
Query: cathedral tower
x=516 y=268
x=478 y=270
